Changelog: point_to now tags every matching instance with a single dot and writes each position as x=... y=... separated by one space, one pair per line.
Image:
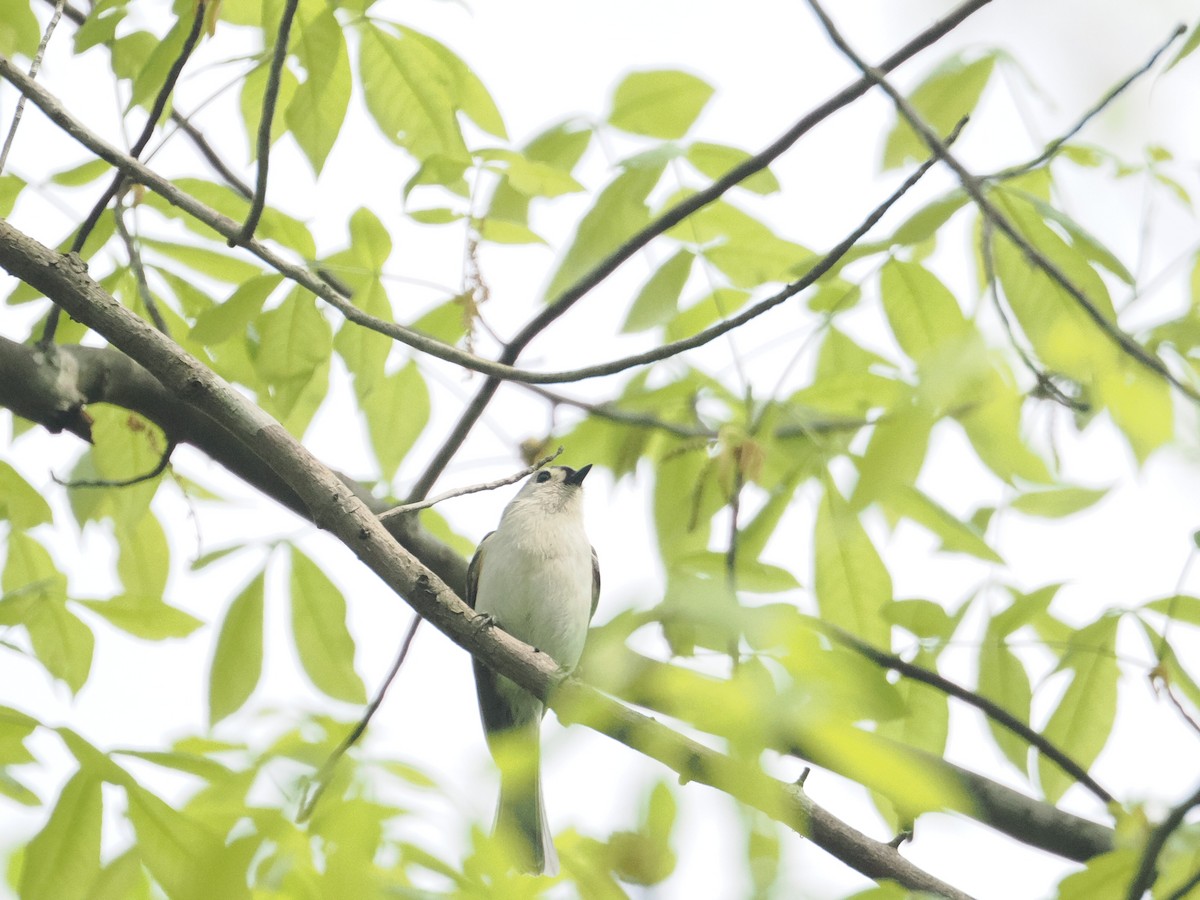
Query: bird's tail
x=521 y=815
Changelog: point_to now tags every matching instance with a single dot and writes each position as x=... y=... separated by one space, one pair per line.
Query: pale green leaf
x=20 y=503
x=716 y=161
x=19 y=31
x=1084 y=717
x=926 y=720
x=851 y=582
x=237 y=659
x=397 y=410
x=323 y=643
x=618 y=212
x=410 y=93
x=922 y=312
x=148 y=618
x=84 y=173
x=222 y=265
x=63 y=859
x=658 y=299
x=232 y=317
x=318 y=108
x=254 y=87
x=661 y=103
x=1181 y=607
x=1004 y=681
x=1057 y=503
x=950 y=92
x=561 y=147
x=1106 y=876
x=956 y=535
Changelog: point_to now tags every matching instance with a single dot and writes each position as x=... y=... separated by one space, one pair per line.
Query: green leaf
x=657 y=301
x=237 y=660
x=618 y=212
x=926 y=720
x=397 y=410
x=717 y=160
x=499 y=231
x=126 y=447
x=232 y=317
x=993 y=425
x=1058 y=503
x=852 y=584
x=660 y=104
x=318 y=108
x=323 y=643
x=561 y=147
x=469 y=94
x=1139 y=402
x=1082 y=721
x=922 y=312
x=189 y=860
x=145 y=617
x=1188 y=48
x=219 y=264
x=923 y=618
x=20 y=503
x=928 y=220
x=84 y=173
x=63 y=859
x=1107 y=875
x=956 y=535
x=254 y=87
x=950 y=92
x=409 y=93
x=149 y=81
x=894 y=456
x=1004 y=681
x=1180 y=607
x=293 y=359
x=19 y=31
x=35 y=597
x=10 y=188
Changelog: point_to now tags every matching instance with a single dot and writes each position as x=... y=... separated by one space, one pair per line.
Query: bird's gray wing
x=595 y=581
x=473 y=571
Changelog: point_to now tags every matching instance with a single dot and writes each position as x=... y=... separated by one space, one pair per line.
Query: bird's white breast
x=537 y=582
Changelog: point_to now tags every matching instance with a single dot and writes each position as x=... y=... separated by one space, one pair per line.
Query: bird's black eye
x=543 y=477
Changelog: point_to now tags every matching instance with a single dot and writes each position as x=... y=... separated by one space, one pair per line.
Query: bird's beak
x=576 y=477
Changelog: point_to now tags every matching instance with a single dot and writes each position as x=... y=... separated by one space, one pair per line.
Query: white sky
x=544 y=60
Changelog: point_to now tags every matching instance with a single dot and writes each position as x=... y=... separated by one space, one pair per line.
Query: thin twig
x=996 y=713
x=139 y=271
x=270 y=96
x=470 y=489
x=184 y=124
x=674 y=215
x=1046 y=383
x=159 y=468
x=611 y=412
x=160 y=103
x=33 y=70
x=320 y=781
x=974 y=187
x=1054 y=146
x=1146 y=872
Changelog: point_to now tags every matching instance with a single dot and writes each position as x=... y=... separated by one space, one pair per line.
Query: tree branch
x=337 y=509
x=33 y=70
x=996 y=713
x=974 y=186
x=270 y=96
x=673 y=216
x=1146 y=874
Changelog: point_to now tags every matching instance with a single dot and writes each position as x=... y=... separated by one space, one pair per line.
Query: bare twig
x=139 y=271
x=336 y=508
x=974 y=186
x=160 y=103
x=320 y=781
x=994 y=712
x=33 y=70
x=270 y=96
x=1054 y=146
x=1046 y=383
x=159 y=468
x=1146 y=872
x=471 y=489
x=184 y=124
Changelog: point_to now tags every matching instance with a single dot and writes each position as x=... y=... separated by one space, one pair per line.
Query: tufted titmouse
x=537 y=576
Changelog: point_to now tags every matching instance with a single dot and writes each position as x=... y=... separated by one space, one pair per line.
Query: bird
x=537 y=577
